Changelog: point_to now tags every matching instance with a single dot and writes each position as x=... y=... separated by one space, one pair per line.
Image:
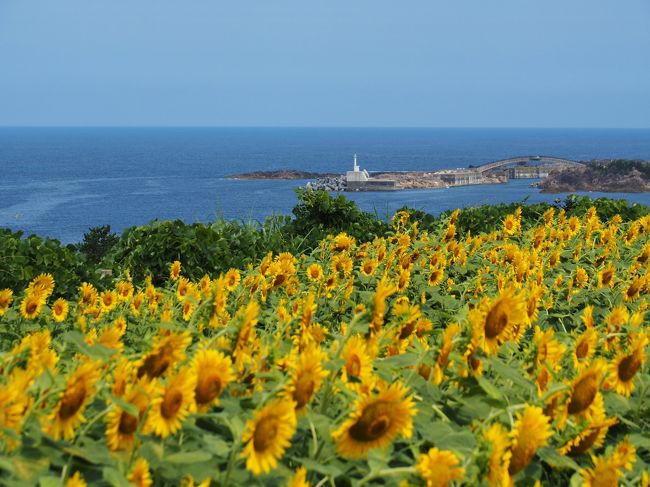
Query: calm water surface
x=58 y=182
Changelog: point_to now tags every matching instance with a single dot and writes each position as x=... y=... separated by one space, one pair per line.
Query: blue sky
x=438 y=63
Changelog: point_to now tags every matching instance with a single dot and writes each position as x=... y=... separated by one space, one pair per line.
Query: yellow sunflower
x=357 y=367
x=383 y=291
x=497 y=319
x=139 y=476
x=76 y=480
x=31 y=306
x=68 y=411
x=213 y=372
x=625 y=367
x=268 y=435
x=376 y=420
x=531 y=431
x=585 y=347
x=549 y=351
x=60 y=310
x=167 y=350
x=171 y=404
x=108 y=300
x=299 y=479
x=592 y=436
x=6 y=296
x=369 y=266
x=306 y=376
x=500 y=454
x=88 y=295
x=585 y=388
x=121 y=426
x=43 y=286
x=439 y=467
x=175 y=270
x=314 y=272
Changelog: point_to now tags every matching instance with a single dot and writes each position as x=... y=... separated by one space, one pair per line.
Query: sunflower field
x=437 y=357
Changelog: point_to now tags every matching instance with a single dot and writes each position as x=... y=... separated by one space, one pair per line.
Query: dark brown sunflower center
x=585 y=443
x=373 y=423
x=406 y=330
x=155 y=364
x=607 y=277
x=72 y=400
x=584 y=393
x=628 y=367
x=208 y=387
x=128 y=424
x=582 y=349
x=304 y=389
x=31 y=307
x=353 y=366
x=171 y=403
x=265 y=433
x=496 y=321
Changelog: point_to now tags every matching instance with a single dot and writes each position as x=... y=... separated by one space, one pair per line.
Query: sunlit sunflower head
x=588 y=316
x=88 y=295
x=357 y=366
x=617 y=317
x=213 y=372
x=531 y=431
x=76 y=480
x=306 y=376
x=585 y=387
x=121 y=426
x=31 y=306
x=268 y=435
x=43 y=286
x=605 y=473
x=139 y=476
x=314 y=272
x=60 y=310
x=439 y=467
x=498 y=318
x=592 y=436
x=549 y=351
x=369 y=266
x=497 y=469
x=376 y=420
x=168 y=350
x=68 y=411
x=607 y=276
x=299 y=478
x=108 y=300
x=585 y=347
x=342 y=242
x=171 y=404
x=625 y=366
x=175 y=270
x=6 y=296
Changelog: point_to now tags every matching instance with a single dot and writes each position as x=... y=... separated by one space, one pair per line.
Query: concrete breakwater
x=334 y=184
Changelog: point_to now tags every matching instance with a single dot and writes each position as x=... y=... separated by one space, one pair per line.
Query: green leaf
x=114 y=477
x=50 y=481
x=127 y=407
x=490 y=389
x=197 y=456
x=556 y=460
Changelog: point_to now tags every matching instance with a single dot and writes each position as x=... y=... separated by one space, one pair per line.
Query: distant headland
x=556 y=175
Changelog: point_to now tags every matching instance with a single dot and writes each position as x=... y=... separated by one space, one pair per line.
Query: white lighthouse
x=356 y=175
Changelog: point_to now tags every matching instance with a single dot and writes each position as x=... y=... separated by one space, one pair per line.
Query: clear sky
x=438 y=63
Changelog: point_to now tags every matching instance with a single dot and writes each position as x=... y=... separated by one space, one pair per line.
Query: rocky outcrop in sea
x=328 y=183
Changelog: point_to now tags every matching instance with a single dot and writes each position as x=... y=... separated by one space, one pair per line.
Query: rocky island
x=609 y=176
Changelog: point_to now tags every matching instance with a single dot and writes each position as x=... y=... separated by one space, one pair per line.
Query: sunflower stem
x=387 y=472
x=231 y=461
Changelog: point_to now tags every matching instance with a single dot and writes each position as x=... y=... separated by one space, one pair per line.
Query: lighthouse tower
x=356 y=175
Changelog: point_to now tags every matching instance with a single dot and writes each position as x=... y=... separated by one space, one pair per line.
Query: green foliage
x=97 y=242
x=319 y=214
x=203 y=249
x=22 y=259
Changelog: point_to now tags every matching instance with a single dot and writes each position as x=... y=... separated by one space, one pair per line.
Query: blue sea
x=59 y=182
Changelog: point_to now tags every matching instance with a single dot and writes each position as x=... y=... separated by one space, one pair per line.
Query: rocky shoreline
x=603 y=176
